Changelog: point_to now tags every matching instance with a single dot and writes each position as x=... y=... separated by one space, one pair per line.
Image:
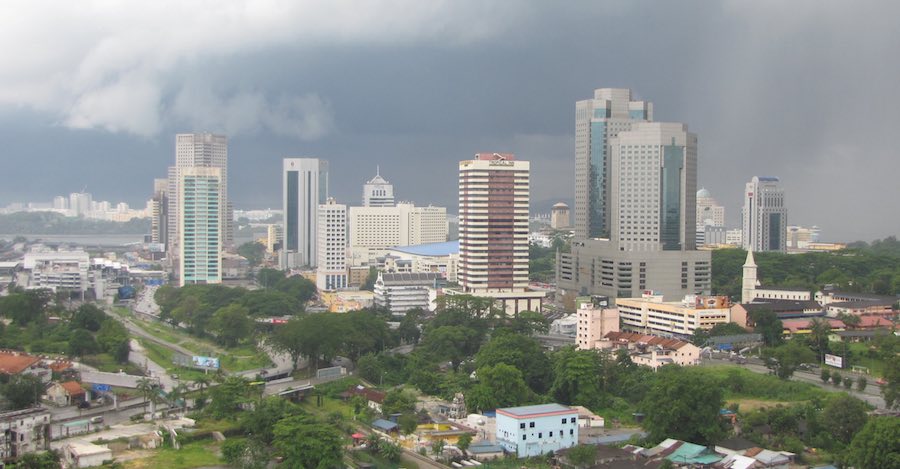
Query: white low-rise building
x=402 y=292
x=595 y=319
x=79 y=454
x=537 y=429
x=24 y=431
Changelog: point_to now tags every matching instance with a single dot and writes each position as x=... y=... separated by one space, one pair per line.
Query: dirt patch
x=747 y=405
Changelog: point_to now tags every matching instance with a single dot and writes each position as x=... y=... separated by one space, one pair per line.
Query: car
x=97 y=419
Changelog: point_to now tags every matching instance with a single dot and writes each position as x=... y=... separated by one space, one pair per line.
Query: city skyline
x=728 y=89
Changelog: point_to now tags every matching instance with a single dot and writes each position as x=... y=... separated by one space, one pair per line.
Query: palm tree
x=179 y=392
x=145 y=386
x=202 y=382
x=819 y=330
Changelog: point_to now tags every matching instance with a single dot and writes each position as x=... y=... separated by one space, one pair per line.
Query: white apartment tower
x=493 y=223
x=305 y=188
x=331 y=273
x=373 y=230
x=377 y=192
x=764 y=215
x=200 y=195
x=709 y=213
x=202 y=150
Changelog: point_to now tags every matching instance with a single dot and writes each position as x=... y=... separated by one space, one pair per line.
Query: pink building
x=595 y=319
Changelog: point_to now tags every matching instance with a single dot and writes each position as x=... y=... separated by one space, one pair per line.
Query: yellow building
x=651 y=315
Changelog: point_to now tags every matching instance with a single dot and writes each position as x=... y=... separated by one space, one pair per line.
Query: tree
x=500 y=385
x=88 y=316
x=825 y=375
x=409 y=330
x=82 y=343
x=836 y=378
x=232 y=324
x=576 y=377
x=398 y=401
x=46 y=460
x=766 y=322
x=260 y=422
x=437 y=447
x=582 y=455
x=227 y=397
x=877 y=445
x=22 y=391
x=528 y=323
x=252 y=251
x=861 y=383
x=245 y=454
x=307 y=444
x=464 y=441
x=785 y=359
x=820 y=329
x=113 y=339
x=146 y=387
x=201 y=382
x=389 y=450
x=891 y=389
x=844 y=416
x=452 y=343
x=408 y=423
x=522 y=352
x=848 y=382
x=683 y=405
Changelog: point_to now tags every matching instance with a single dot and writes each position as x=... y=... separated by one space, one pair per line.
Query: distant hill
x=50 y=223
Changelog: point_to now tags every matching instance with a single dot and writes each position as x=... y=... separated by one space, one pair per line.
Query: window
x=572 y=420
x=564 y=420
x=571 y=432
x=551 y=434
x=540 y=435
x=523 y=437
x=530 y=424
x=522 y=425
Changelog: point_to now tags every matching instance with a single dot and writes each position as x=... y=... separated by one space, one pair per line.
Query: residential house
x=537 y=429
x=653 y=351
x=24 y=431
x=78 y=454
x=67 y=393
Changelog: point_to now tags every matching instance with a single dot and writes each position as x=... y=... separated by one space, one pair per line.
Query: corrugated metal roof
x=431 y=249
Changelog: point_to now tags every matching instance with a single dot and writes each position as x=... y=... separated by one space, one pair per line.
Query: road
x=138 y=356
x=872 y=394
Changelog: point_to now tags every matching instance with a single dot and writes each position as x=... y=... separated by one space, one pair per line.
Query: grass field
x=860 y=358
x=191 y=455
x=749 y=405
x=106 y=362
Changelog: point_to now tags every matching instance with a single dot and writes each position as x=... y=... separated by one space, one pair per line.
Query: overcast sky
x=92 y=94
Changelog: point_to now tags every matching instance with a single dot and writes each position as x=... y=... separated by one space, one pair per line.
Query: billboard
x=101 y=387
x=205 y=362
x=834 y=360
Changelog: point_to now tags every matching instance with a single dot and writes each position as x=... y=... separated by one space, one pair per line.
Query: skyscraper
x=635 y=196
x=201 y=150
x=200 y=194
x=764 y=215
x=493 y=230
x=377 y=192
x=305 y=187
x=159 y=212
x=597 y=121
x=331 y=243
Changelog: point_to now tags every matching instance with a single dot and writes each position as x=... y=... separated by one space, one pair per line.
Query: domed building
x=559 y=216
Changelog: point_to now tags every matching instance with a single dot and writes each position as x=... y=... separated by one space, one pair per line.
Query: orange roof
x=73 y=388
x=13 y=363
x=61 y=365
x=634 y=337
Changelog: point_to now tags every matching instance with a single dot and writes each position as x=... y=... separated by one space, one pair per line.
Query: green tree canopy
x=844 y=416
x=308 y=445
x=521 y=352
x=232 y=325
x=500 y=385
x=785 y=359
x=682 y=404
x=877 y=445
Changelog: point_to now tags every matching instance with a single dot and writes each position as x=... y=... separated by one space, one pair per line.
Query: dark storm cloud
x=806 y=91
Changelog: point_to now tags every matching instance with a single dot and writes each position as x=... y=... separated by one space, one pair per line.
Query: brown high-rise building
x=493 y=230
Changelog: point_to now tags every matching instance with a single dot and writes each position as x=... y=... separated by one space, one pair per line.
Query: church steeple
x=749 y=280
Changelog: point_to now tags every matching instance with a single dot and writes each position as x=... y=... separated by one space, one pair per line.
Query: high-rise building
x=597 y=121
x=373 y=230
x=331 y=244
x=635 y=225
x=200 y=195
x=80 y=204
x=493 y=230
x=709 y=213
x=60 y=203
x=764 y=215
x=559 y=216
x=202 y=150
x=305 y=187
x=159 y=212
x=377 y=192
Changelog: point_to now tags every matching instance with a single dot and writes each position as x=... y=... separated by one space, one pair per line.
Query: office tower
x=60 y=203
x=200 y=195
x=305 y=187
x=159 y=212
x=559 y=216
x=709 y=214
x=331 y=244
x=202 y=150
x=373 y=230
x=597 y=121
x=377 y=192
x=648 y=209
x=80 y=204
x=493 y=230
x=764 y=215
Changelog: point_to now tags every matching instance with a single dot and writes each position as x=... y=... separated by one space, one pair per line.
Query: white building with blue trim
x=537 y=429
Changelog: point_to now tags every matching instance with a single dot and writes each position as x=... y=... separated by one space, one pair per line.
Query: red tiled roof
x=73 y=388
x=634 y=337
x=795 y=325
x=14 y=363
x=59 y=366
x=373 y=395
